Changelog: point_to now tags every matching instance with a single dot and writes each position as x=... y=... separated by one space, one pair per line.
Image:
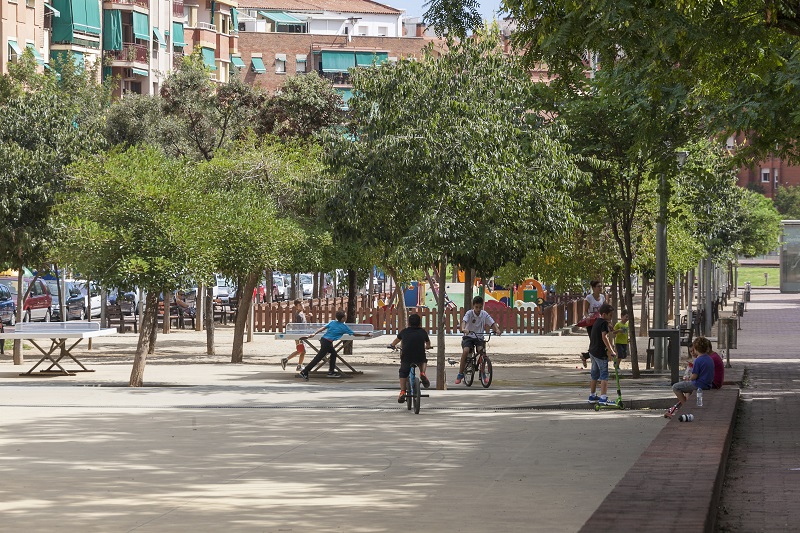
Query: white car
x=307 y=282
x=222 y=289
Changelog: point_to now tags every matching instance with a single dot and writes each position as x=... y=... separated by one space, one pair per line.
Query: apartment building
x=279 y=38
x=137 y=42
x=22 y=25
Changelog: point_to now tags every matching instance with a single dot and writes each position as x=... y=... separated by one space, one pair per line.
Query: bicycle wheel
x=469 y=372
x=409 y=392
x=417 y=397
x=485 y=371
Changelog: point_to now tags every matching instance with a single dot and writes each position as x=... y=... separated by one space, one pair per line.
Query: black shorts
x=470 y=342
x=406 y=362
x=622 y=351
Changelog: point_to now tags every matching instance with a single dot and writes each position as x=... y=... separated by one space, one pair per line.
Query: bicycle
x=478 y=359
x=413 y=387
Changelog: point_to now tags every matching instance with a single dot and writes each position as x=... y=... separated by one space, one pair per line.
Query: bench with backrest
x=116 y=318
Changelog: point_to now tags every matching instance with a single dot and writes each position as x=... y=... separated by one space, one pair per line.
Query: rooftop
x=342 y=6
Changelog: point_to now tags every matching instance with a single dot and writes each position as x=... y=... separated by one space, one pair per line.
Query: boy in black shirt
x=415 y=341
x=600 y=345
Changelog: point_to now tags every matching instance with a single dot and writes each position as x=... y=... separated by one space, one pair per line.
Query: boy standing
x=300 y=348
x=702 y=375
x=336 y=329
x=475 y=323
x=600 y=345
x=621 y=335
x=415 y=341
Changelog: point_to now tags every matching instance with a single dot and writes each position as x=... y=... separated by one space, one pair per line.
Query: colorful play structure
x=527 y=294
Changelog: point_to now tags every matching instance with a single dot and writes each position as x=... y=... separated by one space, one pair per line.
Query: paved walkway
x=762 y=485
x=212 y=446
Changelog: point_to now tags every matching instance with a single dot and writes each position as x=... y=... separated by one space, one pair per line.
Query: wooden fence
x=539 y=321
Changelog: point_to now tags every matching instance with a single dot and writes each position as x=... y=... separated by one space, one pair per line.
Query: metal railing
x=141 y=3
x=337 y=78
x=130 y=52
x=206 y=26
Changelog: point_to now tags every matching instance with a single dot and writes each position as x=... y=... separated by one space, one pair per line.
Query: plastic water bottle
x=699 y=397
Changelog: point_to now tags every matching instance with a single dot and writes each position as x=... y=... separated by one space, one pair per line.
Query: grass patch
x=755 y=275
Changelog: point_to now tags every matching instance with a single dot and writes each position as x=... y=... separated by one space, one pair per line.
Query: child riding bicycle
x=475 y=323
x=415 y=341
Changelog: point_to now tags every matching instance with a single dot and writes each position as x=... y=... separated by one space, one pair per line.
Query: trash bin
x=727 y=334
x=747 y=295
x=739 y=308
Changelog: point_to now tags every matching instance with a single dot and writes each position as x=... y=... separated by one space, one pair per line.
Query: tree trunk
x=352 y=299
x=400 y=307
x=270 y=281
x=440 y=347
x=644 y=315
x=632 y=347
x=151 y=347
x=245 y=297
x=167 y=302
x=18 y=359
x=146 y=335
x=208 y=302
x=469 y=282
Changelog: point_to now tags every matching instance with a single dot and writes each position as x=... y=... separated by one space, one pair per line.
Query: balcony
x=177 y=8
x=138 y=3
x=337 y=78
x=204 y=34
x=130 y=53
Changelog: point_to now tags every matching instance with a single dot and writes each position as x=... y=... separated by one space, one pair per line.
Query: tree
x=787 y=202
x=122 y=217
x=447 y=158
x=303 y=106
x=45 y=124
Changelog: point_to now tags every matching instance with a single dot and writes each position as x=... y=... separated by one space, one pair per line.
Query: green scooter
x=618 y=404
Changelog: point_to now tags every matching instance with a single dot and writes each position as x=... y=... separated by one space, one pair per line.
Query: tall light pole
x=660 y=296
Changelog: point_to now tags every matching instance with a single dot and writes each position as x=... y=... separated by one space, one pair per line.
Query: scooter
x=617 y=404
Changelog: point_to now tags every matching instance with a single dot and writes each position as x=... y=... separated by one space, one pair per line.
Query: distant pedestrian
x=335 y=330
x=621 y=335
x=300 y=347
x=595 y=300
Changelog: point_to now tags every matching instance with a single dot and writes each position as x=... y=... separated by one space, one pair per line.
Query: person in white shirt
x=475 y=323
x=595 y=300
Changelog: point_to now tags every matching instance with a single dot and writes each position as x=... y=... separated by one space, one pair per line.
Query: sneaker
x=424 y=379
x=672 y=410
x=459 y=378
x=303 y=376
x=593 y=398
x=299 y=368
x=607 y=401
x=333 y=375
x=584 y=358
x=402 y=397
x=283 y=363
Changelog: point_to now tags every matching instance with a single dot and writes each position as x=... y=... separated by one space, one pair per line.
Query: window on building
x=30 y=3
x=776 y=175
x=765 y=175
x=383 y=31
x=300 y=63
x=280 y=63
x=362 y=30
x=730 y=143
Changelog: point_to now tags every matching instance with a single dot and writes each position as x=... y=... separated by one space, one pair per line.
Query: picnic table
x=301 y=331
x=59 y=334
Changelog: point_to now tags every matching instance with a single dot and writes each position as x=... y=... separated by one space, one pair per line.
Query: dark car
x=8 y=307
x=74 y=300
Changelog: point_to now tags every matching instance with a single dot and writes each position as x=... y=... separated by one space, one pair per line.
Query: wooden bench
x=116 y=318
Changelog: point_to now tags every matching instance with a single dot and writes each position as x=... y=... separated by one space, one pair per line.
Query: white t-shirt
x=594 y=304
x=477 y=324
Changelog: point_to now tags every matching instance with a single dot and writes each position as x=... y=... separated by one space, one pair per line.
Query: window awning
x=237 y=61
x=209 y=59
x=280 y=57
x=258 y=65
x=56 y=12
x=14 y=46
x=162 y=42
x=301 y=58
x=36 y=54
x=335 y=61
x=140 y=72
x=141 y=26
x=112 y=29
x=279 y=17
x=235 y=19
x=177 y=35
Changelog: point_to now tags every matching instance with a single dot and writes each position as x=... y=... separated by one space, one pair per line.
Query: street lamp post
x=660 y=296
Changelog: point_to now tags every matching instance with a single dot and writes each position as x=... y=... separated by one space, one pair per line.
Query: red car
x=37 y=304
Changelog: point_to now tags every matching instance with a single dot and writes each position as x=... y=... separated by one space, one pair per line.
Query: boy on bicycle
x=415 y=341
x=475 y=323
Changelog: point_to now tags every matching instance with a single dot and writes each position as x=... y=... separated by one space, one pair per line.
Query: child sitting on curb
x=702 y=375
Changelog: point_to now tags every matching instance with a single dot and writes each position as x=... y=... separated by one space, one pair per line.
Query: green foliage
x=205 y=116
x=303 y=106
x=45 y=124
x=455 y=17
x=448 y=156
x=787 y=202
x=123 y=219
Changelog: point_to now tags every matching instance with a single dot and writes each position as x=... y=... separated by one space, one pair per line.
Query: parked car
x=38 y=304
x=8 y=307
x=222 y=289
x=307 y=282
